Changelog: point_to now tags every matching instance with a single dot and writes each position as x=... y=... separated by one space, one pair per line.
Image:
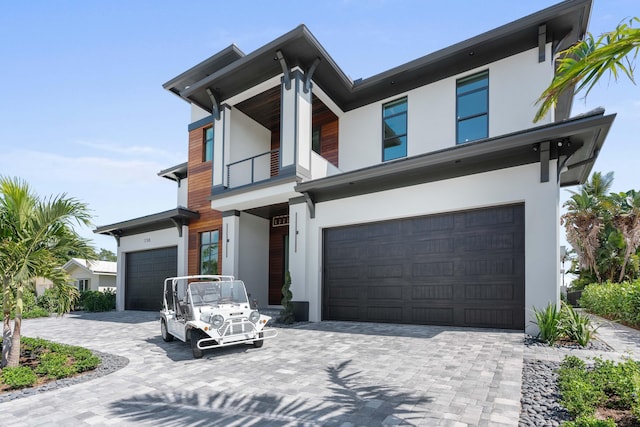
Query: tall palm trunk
x=6 y=321
x=14 y=351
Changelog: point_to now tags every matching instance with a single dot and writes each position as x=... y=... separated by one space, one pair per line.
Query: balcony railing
x=253 y=169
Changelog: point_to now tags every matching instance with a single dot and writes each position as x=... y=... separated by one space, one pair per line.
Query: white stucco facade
x=507 y=186
x=147 y=241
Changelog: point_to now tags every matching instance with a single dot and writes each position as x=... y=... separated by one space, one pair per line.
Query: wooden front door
x=278 y=257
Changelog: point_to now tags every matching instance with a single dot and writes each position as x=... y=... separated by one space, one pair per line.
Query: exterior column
x=298 y=263
x=221 y=150
x=295 y=131
x=230 y=243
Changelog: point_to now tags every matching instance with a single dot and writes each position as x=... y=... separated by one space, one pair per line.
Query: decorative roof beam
x=286 y=70
x=178 y=225
x=310 y=204
x=215 y=105
x=545 y=155
x=542 y=42
x=309 y=76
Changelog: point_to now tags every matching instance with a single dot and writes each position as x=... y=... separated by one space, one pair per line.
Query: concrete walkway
x=315 y=374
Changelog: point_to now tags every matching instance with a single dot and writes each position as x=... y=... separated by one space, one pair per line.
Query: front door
x=278 y=256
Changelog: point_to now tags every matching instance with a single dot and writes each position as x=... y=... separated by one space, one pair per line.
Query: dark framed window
x=315 y=140
x=394 y=129
x=209 y=252
x=472 y=108
x=83 y=285
x=207 y=147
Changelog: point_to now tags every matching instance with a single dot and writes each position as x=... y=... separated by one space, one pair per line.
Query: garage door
x=461 y=269
x=145 y=272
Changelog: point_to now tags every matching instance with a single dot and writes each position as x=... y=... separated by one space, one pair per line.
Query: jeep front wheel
x=258 y=343
x=195 y=337
x=166 y=336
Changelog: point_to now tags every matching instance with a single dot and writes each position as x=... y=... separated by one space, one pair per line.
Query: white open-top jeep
x=211 y=311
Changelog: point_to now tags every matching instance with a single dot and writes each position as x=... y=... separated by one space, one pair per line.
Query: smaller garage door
x=145 y=272
x=461 y=269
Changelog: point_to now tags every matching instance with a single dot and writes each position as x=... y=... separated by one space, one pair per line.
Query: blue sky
x=83 y=111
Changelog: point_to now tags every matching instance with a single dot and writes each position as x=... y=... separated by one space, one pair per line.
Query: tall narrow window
x=207 y=147
x=472 y=108
x=315 y=140
x=209 y=252
x=394 y=130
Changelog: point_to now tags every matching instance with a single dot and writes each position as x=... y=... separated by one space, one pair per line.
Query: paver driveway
x=328 y=373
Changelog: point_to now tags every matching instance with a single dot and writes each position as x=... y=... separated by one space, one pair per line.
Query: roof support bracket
x=285 y=69
x=215 y=104
x=116 y=235
x=545 y=155
x=542 y=42
x=178 y=225
x=309 y=76
x=310 y=204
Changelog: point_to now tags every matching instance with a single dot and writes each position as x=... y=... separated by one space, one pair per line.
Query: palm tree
x=34 y=236
x=583 y=64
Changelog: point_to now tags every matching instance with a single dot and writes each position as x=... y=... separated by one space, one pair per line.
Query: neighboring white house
x=88 y=275
x=423 y=194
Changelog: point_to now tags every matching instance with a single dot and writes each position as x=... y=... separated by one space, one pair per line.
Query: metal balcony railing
x=252 y=169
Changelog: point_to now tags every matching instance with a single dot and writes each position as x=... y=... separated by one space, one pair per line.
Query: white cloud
x=115 y=189
x=133 y=150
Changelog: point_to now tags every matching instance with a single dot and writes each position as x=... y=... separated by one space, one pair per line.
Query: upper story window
x=394 y=129
x=207 y=146
x=209 y=252
x=472 y=107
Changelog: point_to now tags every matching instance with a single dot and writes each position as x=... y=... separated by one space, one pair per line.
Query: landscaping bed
x=45 y=365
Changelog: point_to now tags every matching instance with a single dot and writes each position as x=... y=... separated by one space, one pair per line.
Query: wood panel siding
x=200 y=181
x=327 y=122
x=276 y=263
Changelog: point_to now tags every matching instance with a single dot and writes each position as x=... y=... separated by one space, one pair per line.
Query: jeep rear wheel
x=195 y=337
x=166 y=336
x=258 y=343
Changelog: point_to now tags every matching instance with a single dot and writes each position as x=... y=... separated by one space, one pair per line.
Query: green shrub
x=35 y=312
x=607 y=384
x=98 y=301
x=565 y=323
x=18 y=377
x=616 y=301
x=590 y=422
x=286 y=314
x=576 y=326
x=83 y=359
x=548 y=321
x=55 y=365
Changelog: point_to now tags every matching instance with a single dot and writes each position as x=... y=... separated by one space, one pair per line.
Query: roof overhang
x=174 y=218
x=175 y=173
x=575 y=142
x=230 y=72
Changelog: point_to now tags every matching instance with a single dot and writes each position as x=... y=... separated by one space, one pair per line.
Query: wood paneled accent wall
x=327 y=122
x=200 y=181
x=276 y=262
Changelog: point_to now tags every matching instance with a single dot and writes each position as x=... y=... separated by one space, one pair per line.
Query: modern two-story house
x=424 y=194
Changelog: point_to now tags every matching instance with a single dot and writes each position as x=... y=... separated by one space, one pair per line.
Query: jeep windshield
x=215 y=293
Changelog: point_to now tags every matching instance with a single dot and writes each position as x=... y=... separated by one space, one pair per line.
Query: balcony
x=260 y=167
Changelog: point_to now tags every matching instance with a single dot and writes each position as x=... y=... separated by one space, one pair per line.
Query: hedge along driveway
x=324 y=373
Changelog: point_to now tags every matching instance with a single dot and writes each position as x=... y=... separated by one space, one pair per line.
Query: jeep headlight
x=254 y=316
x=217 y=321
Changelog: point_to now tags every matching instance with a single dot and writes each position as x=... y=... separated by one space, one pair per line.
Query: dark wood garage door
x=145 y=272
x=461 y=269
